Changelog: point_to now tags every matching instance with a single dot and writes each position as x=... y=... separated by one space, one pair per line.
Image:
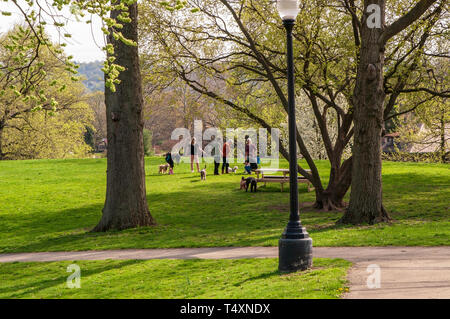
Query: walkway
x=405 y=272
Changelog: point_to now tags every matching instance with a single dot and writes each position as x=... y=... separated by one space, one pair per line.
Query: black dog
x=252 y=182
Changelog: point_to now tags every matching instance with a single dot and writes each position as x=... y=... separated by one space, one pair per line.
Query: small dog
x=245 y=182
x=163 y=168
x=234 y=169
x=203 y=174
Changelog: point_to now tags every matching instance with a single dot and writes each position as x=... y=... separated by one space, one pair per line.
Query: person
x=252 y=154
x=169 y=161
x=225 y=153
x=195 y=149
x=246 y=148
x=248 y=168
x=216 y=153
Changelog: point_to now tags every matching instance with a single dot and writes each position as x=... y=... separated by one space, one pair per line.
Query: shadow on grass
x=221 y=218
x=259 y=277
x=36 y=286
x=207 y=214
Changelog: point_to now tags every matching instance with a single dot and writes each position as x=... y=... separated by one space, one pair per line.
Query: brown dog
x=163 y=168
x=243 y=184
x=203 y=174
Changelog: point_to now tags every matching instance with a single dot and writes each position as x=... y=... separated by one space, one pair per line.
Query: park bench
x=278 y=178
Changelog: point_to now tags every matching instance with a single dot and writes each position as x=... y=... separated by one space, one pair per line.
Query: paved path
x=405 y=272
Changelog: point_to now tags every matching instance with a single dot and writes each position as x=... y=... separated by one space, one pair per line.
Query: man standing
x=225 y=152
x=216 y=152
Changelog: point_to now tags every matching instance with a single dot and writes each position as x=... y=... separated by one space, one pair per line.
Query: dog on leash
x=249 y=181
x=234 y=169
x=203 y=174
x=163 y=168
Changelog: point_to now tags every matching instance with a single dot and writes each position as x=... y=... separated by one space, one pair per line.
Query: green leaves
x=78 y=8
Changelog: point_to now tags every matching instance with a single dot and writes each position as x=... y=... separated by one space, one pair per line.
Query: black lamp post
x=295 y=245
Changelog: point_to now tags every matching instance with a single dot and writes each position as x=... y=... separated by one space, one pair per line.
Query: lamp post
x=295 y=245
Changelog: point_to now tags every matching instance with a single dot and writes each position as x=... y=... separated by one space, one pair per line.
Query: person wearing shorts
x=195 y=150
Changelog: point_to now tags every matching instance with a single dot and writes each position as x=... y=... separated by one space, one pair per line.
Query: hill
x=93 y=75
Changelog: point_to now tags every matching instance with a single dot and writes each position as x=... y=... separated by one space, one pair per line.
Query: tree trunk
x=340 y=180
x=366 y=195
x=126 y=203
x=332 y=197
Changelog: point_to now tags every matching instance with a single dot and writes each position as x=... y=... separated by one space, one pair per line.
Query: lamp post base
x=294 y=254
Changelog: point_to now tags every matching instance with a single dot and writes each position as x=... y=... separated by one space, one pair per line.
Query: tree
x=365 y=204
x=147 y=134
x=232 y=52
x=243 y=71
x=96 y=102
x=168 y=106
x=126 y=202
x=427 y=129
x=39 y=116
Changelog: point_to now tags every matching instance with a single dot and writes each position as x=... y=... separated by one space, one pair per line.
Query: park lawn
x=242 y=278
x=51 y=205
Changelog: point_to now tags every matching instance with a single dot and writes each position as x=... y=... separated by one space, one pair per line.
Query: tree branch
x=406 y=20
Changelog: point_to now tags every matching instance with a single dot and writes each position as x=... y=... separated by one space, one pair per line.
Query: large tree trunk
x=126 y=203
x=365 y=204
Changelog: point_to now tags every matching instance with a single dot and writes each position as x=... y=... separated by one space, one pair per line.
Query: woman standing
x=195 y=149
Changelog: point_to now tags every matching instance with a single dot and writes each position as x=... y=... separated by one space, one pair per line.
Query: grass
x=244 y=278
x=51 y=205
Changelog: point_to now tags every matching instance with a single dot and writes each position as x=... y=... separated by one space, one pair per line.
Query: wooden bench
x=279 y=179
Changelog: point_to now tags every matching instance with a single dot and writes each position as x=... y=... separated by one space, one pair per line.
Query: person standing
x=225 y=153
x=169 y=161
x=252 y=154
x=216 y=152
x=195 y=150
x=246 y=149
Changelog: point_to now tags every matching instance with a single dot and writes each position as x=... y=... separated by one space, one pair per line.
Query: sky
x=85 y=42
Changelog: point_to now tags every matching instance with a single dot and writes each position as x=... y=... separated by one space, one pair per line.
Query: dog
x=234 y=169
x=203 y=174
x=245 y=182
x=163 y=168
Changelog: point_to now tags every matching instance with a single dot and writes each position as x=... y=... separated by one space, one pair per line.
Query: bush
x=414 y=157
x=148 y=150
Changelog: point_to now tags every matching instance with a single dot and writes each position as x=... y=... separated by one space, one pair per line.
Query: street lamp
x=295 y=245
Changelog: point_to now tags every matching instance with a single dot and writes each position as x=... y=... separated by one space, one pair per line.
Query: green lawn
x=50 y=205
x=244 y=278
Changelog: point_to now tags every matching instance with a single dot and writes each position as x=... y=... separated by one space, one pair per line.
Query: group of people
x=217 y=154
x=221 y=156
